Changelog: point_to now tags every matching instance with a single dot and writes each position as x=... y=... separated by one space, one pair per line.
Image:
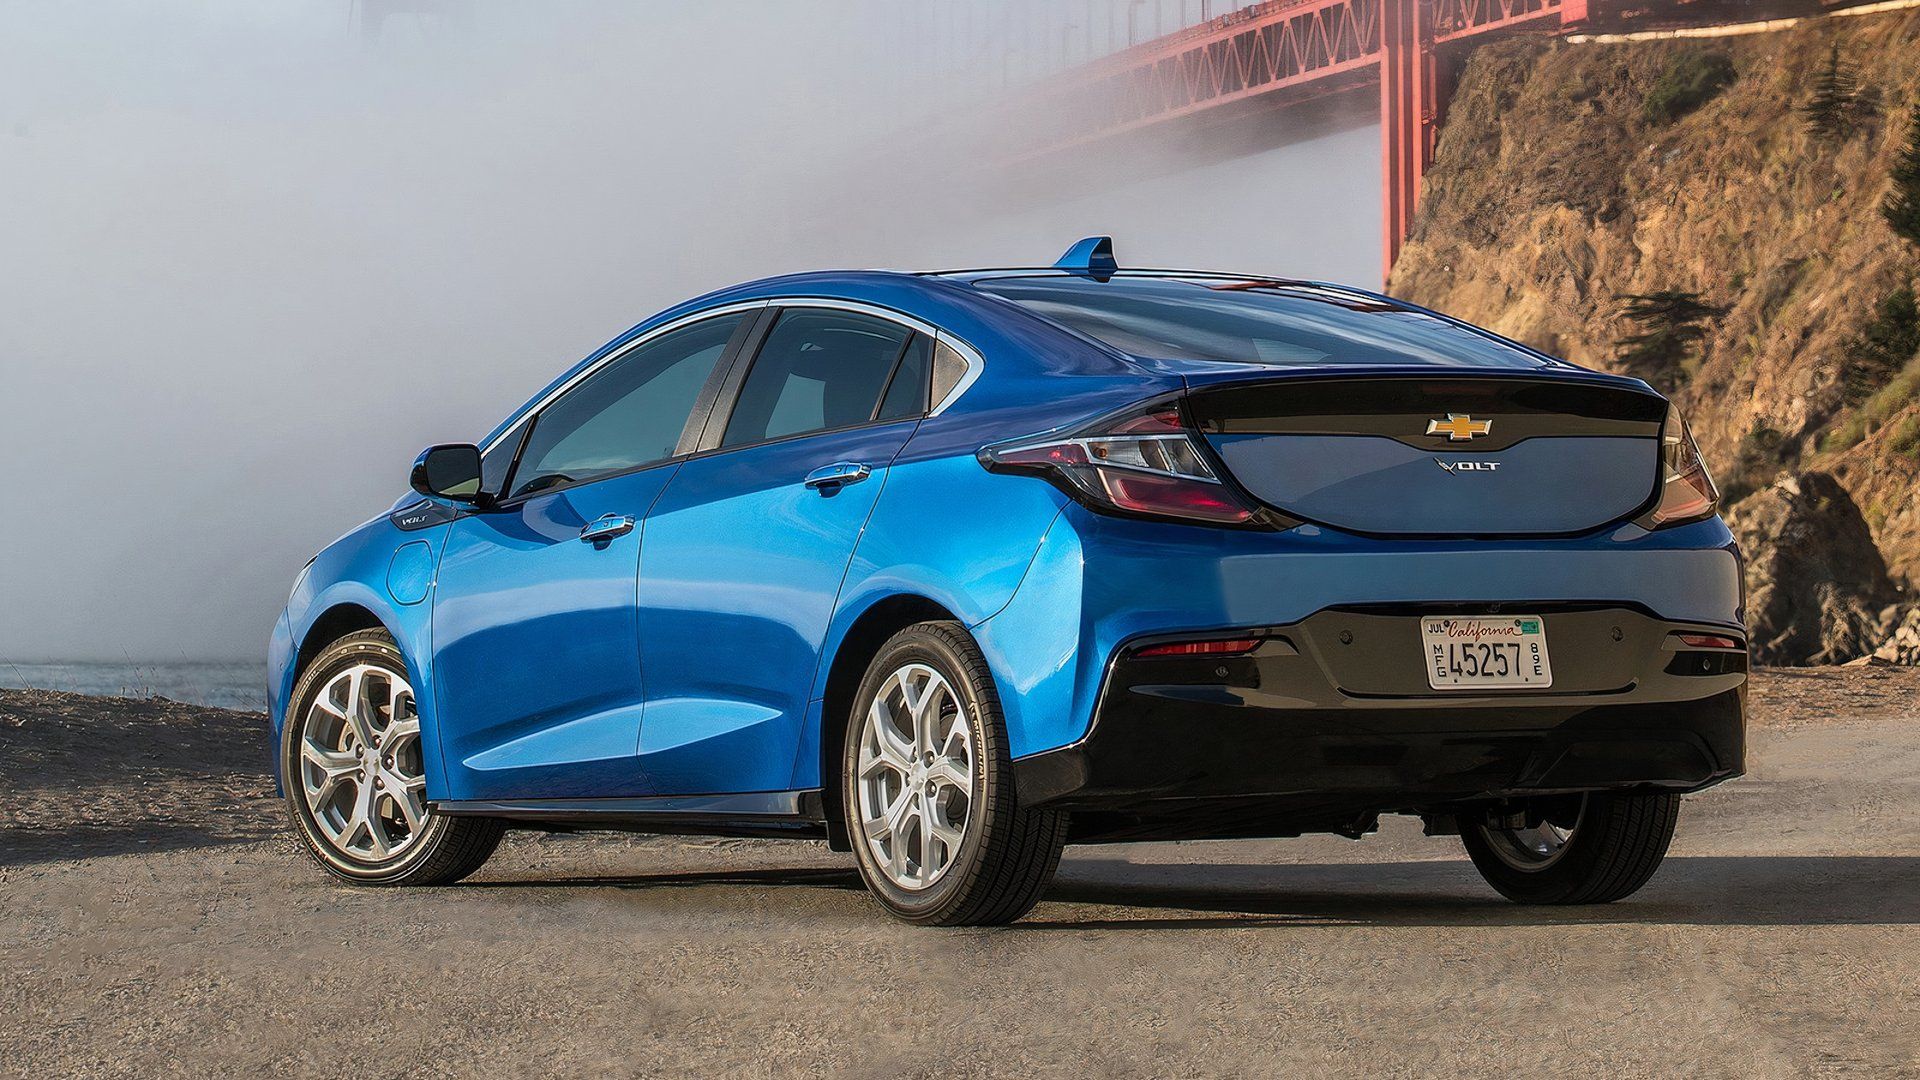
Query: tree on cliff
x=1837 y=105
x=1883 y=347
x=1902 y=208
x=1670 y=323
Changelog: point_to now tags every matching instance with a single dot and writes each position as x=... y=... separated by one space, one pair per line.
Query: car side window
x=627 y=414
x=818 y=370
x=907 y=393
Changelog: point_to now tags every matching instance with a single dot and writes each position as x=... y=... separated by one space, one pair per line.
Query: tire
x=349 y=798
x=1004 y=854
x=1614 y=843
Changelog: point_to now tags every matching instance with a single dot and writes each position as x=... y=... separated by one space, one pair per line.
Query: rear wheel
x=356 y=782
x=927 y=788
x=1572 y=849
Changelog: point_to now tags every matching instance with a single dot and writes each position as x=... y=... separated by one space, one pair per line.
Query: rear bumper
x=1330 y=719
x=1098 y=584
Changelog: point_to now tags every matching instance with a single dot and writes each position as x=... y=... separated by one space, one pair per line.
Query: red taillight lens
x=1142 y=463
x=1222 y=647
x=1144 y=493
x=1687 y=493
x=1707 y=641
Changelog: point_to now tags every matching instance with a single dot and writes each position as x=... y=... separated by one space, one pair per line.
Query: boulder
x=1901 y=637
x=1816 y=584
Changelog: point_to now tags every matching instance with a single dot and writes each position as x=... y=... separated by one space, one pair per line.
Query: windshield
x=1254 y=322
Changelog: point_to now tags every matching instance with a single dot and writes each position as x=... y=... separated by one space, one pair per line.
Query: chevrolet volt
x=953 y=569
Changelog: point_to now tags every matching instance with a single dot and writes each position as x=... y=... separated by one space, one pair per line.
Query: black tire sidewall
x=365 y=647
x=1595 y=854
x=992 y=768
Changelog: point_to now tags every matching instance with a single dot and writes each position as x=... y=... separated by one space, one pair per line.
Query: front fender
x=388 y=574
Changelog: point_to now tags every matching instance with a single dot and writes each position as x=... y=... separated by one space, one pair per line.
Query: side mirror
x=449 y=471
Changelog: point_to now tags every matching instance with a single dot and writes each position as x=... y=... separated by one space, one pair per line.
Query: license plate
x=1476 y=653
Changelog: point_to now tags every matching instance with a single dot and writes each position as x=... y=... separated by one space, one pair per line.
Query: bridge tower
x=1283 y=56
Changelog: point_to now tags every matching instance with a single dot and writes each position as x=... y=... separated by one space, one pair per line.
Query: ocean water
x=226 y=684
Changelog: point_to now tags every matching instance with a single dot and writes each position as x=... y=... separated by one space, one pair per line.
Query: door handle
x=831 y=478
x=605 y=528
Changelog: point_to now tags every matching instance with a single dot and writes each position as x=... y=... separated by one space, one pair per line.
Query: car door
x=748 y=545
x=537 y=653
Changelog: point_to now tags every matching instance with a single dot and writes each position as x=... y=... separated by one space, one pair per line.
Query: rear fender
x=945 y=530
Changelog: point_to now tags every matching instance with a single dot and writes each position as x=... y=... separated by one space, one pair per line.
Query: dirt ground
x=154 y=918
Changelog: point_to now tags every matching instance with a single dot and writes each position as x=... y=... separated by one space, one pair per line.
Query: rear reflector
x=1222 y=647
x=1707 y=641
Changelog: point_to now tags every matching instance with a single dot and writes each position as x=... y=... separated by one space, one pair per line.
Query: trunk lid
x=1410 y=455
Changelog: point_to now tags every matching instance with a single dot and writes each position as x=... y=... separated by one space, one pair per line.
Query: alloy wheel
x=360 y=764
x=915 y=781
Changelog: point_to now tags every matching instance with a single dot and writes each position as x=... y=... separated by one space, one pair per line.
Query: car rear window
x=1254 y=322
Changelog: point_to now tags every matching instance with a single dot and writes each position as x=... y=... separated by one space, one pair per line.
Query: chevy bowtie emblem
x=1459 y=427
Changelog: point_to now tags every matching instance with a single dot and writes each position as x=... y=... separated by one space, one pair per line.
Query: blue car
x=953 y=569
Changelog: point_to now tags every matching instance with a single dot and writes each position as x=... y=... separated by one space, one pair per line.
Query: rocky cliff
x=1571 y=175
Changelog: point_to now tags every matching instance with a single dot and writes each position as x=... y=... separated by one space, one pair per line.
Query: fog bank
x=252 y=260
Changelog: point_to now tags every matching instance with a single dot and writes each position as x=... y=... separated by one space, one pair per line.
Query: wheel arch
x=857 y=648
x=349 y=606
x=336 y=622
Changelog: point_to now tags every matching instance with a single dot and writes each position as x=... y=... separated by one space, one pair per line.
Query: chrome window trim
x=974 y=366
x=584 y=373
x=975 y=363
x=941 y=337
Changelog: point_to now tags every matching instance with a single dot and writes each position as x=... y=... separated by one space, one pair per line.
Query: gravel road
x=153 y=918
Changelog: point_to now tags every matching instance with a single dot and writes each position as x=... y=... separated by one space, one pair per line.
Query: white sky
x=251 y=264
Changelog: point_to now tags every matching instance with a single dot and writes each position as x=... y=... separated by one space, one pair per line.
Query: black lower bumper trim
x=1277 y=742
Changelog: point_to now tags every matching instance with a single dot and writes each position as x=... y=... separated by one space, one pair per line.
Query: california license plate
x=1481 y=652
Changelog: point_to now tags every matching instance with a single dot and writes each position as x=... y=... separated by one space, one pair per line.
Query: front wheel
x=355 y=777
x=1572 y=849
x=927 y=788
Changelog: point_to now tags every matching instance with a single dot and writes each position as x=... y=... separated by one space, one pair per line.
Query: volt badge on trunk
x=1467 y=466
x=1459 y=427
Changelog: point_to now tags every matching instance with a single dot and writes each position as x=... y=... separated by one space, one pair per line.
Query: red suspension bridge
x=1286 y=54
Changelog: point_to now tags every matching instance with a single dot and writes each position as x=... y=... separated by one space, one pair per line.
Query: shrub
x=1904 y=387
x=1690 y=79
x=1902 y=208
x=1763 y=453
x=1670 y=323
x=1883 y=346
x=1837 y=105
x=1906 y=438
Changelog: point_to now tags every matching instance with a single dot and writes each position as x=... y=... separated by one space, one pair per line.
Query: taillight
x=1687 y=493
x=1145 y=462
